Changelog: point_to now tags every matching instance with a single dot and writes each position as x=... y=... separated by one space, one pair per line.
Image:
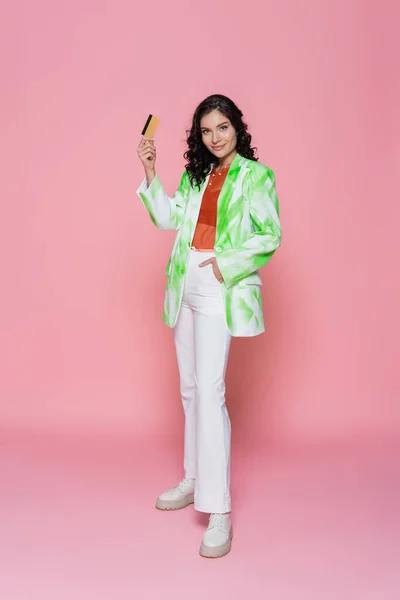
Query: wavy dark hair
x=199 y=158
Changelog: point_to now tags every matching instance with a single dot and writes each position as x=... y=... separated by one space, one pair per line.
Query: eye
x=204 y=132
x=224 y=127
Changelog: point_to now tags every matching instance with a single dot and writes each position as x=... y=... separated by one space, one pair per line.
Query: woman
x=227 y=217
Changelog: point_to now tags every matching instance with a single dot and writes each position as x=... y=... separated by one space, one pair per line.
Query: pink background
x=84 y=349
x=83 y=267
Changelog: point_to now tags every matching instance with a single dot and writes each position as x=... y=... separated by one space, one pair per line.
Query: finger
x=149 y=144
x=146 y=146
x=148 y=158
x=146 y=152
x=206 y=262
x=153 y=148
x=145 y=142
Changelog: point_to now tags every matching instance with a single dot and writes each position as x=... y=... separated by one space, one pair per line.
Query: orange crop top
x=204 y=235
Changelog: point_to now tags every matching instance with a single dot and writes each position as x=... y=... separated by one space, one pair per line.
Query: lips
x=217 y=147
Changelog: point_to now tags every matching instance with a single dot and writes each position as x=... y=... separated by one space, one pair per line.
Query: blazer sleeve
x=257 y=250
x=165 y=212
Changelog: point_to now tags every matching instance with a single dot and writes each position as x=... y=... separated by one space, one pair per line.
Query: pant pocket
x=213 y=279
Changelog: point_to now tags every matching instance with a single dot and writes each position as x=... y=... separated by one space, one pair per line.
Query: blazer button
x=218 y=249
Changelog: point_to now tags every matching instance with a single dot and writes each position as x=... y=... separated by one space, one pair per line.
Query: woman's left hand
x=213 y=261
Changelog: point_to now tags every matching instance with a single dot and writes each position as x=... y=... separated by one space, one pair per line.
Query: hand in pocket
x=213 y=261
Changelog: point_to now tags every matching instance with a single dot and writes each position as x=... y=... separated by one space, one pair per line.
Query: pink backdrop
x=83 y=343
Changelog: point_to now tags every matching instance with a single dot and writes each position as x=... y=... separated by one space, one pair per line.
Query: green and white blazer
x=248 y=232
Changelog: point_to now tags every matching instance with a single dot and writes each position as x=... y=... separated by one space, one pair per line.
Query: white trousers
x=202 y=343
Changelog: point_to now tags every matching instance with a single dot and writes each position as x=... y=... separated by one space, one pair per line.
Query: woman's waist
x=194 y=249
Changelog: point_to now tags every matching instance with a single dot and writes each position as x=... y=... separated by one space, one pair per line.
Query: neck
x=227 y=159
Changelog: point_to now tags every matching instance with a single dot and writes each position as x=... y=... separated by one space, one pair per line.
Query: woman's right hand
x=147 y=153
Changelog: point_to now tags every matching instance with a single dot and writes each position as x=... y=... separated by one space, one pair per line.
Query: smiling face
x=219 y=136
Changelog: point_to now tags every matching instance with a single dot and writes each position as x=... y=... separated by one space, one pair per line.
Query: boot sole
x=219 y=551
x=175 y=504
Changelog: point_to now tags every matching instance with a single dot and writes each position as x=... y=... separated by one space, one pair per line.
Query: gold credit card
x=151 y=126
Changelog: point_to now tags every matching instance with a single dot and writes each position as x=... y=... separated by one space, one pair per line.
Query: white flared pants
x=202 y=343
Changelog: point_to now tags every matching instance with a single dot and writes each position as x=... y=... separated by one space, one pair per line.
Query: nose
x=215 y=138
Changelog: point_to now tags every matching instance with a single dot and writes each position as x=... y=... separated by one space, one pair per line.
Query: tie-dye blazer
x=248 y=232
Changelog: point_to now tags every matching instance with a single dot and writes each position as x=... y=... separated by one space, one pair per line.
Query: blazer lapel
x=226 y=193
x=225 y=196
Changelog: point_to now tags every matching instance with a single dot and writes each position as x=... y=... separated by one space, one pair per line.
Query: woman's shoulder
x=185 y=184
x=258 y=170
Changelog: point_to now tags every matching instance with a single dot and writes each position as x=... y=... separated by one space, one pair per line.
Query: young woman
x=227 y=217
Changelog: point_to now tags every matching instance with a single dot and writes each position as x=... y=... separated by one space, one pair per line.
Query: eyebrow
x=220 y=125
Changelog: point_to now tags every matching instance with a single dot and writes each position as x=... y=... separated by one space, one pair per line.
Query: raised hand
x=147 y=153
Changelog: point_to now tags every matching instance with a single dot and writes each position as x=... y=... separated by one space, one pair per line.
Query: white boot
x=217 y=539
x=180 y=496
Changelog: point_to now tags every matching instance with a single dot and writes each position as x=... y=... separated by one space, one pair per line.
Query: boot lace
x=216 y=520
x=183 y=483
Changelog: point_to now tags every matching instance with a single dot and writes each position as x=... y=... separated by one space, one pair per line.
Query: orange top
x=204 y=235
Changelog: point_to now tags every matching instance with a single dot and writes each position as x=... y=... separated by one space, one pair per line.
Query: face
x=219 y=135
